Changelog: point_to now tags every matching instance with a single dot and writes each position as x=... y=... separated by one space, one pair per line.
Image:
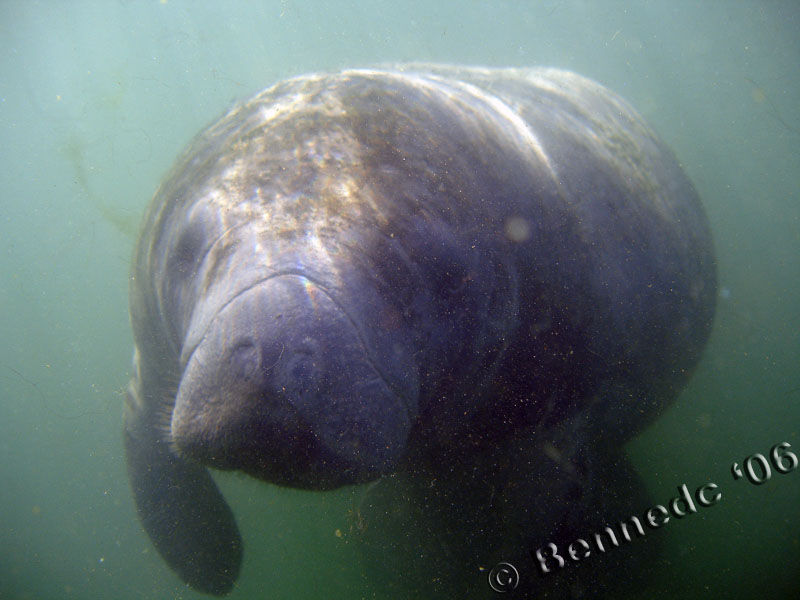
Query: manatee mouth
x=282 y=387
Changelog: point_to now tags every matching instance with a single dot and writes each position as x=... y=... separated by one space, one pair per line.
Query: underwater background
x=98 y=98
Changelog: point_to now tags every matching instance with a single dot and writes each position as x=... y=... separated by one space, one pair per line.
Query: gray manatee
x=470 y=286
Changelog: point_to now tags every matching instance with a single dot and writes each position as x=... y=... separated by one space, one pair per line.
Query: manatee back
x=595 y=283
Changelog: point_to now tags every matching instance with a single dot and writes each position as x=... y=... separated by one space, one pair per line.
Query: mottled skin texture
x=473 y=284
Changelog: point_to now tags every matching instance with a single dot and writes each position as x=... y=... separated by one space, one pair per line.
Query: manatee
x=467 y=286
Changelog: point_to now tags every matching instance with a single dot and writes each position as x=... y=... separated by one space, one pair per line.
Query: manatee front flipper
x=436 y=533
x=184 y=514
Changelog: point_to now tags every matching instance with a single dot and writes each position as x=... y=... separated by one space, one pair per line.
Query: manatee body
x=469 y=285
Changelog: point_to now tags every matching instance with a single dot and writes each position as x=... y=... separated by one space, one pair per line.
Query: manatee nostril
x=245 y=360
x=301 y=372
x=302 y=364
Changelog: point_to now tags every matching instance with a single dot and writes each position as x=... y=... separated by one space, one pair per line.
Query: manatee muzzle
x=283 y=387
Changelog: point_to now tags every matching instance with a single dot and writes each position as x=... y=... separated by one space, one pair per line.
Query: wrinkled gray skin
x=471 y=285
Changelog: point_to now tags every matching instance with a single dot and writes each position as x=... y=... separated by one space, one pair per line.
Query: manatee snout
x=281 y=386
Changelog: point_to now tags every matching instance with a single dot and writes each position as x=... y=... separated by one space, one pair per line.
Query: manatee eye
x=187 y=251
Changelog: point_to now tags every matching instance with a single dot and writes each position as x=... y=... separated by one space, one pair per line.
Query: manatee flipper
x=426 y=537
x=186 y=517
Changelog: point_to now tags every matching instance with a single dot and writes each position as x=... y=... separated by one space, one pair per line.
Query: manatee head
x=256 y=350
x=282 y=386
